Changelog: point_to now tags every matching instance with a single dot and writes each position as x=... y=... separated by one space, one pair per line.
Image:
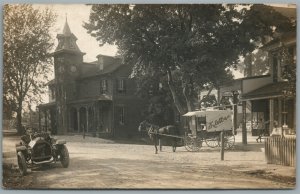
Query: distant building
x=98 y=98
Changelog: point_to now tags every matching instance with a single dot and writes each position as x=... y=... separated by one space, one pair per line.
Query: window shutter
x=117 y=85
x=101 y=89
x=106 y=85
x=124 y=86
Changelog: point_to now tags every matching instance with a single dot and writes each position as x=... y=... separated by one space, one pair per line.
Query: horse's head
x=143 y=126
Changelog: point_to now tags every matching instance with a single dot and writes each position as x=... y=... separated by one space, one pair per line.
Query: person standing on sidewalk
x=261 y=129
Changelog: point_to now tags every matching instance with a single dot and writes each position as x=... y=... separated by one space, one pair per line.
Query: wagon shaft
x=161 y=134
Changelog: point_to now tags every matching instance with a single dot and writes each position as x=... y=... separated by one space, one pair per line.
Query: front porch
x=89 y=116
x=94 y=118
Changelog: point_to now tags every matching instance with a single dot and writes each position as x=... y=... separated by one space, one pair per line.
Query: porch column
x=244 y=129
x=94 y=119
x=78 y=119
x=46 y=120
x=235 y=101
x=271 y=115
x=70 y=125
x=280 y=112
x=87 y=118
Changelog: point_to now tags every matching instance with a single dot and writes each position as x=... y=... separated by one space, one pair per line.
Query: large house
x=95 y=98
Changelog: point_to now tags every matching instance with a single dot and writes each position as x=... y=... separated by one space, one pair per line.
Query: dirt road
x=104 y=165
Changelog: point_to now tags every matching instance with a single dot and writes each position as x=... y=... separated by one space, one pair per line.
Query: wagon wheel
x=213 y=141
x=192 y=144
x=229 y=141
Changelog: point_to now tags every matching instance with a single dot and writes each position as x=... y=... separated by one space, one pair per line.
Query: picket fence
x=281 y=150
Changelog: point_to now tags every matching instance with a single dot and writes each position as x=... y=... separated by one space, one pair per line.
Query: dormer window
x=101 y=63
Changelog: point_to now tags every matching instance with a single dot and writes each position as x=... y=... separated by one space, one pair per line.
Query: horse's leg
x=174 y=144
x=160 y=144
x=155 y=144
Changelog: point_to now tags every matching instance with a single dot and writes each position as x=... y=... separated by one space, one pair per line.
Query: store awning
x=206 y=113
x=273 y=90
x=94 y=99
x=47 y=105
x=189 y=114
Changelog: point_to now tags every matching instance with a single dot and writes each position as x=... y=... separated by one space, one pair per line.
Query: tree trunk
x=19 y=119
x=189 y=101
x=176 y=100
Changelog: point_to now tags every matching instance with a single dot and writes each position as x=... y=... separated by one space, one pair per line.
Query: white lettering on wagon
x=217 y=122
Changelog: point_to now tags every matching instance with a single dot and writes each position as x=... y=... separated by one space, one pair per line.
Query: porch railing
x=281 y=150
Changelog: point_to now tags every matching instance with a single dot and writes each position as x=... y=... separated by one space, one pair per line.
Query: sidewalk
x=251 y=145
x=275 y=170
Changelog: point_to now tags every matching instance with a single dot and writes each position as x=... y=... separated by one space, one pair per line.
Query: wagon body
x=213 y=120
x=206 y=126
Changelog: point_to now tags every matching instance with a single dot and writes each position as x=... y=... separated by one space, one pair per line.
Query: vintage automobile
x=37 y=148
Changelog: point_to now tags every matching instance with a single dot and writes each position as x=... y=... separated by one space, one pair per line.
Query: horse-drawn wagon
x=206 y=126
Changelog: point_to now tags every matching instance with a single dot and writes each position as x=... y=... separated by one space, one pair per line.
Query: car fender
x=61 y=142
x=20 y=148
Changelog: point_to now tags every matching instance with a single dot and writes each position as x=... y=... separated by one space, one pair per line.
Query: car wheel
x=22 y=164
x=64 y=156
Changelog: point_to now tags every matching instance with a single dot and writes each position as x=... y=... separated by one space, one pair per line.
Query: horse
x=156 y=133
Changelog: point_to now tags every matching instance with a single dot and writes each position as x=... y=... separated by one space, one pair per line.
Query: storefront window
x=259 y=116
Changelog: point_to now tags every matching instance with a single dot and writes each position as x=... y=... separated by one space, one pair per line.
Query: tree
x=209 y=101
x=255 y=64
x=27 y=46
x=289 y=71
x=193 y=46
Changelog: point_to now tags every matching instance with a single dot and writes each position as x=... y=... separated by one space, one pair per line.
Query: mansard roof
x=93 y=68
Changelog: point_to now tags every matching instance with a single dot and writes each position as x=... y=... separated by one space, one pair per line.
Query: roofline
x=92 y=76
x=67 y=51
x=254 y=77
x=260 y=98
x=48 y=83
x=280 y=39
x=101 y=55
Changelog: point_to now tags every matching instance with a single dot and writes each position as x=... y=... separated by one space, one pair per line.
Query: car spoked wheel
x=22 y=164
x=64 y=156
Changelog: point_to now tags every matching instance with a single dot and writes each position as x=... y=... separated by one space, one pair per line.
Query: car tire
x=22 y=164
x=64 y=156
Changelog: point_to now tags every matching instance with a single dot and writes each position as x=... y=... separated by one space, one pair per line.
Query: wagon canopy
x=216 y=120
